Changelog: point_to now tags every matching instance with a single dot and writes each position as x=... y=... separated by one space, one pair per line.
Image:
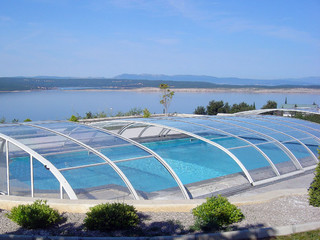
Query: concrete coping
x=184 y=205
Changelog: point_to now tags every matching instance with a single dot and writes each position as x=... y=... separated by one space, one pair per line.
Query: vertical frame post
x=8 y=172
x=61 y=191
x=31 y=175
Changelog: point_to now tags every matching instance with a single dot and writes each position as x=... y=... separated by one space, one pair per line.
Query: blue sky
x=264 y=39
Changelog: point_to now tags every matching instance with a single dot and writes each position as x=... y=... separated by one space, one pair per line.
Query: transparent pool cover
x=154 y=158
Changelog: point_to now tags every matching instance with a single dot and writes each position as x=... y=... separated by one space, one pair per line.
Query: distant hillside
x=228 y=81
x=45 y=83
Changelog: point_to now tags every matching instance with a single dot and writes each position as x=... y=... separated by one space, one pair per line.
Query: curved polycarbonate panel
x=19 y=172
x=258 y=167
x=45 y=184
x=41 y=141
x=85 y=134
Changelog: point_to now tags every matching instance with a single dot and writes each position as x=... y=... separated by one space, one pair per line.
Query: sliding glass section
x=259 y=168
x=280 y=159
x=97 y=182
x=300 y=152
x=150 y=178
x=19 y=172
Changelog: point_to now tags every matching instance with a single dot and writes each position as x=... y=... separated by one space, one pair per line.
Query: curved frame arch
x=295 y=139
x=267 y=119
x=155 y=155
x=233 y=135
x=61 y=179
x=243 y=168
x=282 y=119
x=296 y=129
x=283 y=147
x=114 y=166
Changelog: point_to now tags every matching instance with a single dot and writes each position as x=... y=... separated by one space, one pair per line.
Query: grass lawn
x=311 y=235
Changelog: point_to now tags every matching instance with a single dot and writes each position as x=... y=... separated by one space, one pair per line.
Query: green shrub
x=215 y=214
x=27 y=120
x=314 y=190
x=36 y=215
x=73 y=118
x=108 y=217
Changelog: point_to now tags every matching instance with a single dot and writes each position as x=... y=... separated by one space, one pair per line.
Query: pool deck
x=297 y=185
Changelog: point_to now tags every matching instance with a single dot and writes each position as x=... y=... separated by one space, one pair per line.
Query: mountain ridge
x=224 y=80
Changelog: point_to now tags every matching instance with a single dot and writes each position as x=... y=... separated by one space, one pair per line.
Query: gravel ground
x=278 y=212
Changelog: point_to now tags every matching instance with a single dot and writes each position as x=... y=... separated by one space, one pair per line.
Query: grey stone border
x=255 y=233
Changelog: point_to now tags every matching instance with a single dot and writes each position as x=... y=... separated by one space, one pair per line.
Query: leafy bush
x=27 y=120
x=114 y=216
x=314 y=190
x=36 y=215
x=215 y=214
x=73 y=118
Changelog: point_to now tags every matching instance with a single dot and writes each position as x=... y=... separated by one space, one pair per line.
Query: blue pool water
x=191 y=159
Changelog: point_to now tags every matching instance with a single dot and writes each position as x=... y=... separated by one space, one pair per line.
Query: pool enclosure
x=178 y=157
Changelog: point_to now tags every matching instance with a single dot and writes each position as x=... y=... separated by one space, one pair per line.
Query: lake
x=60 y=105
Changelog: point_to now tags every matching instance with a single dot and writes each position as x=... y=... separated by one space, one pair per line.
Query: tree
x=270 y=105
x=200 y=110
x=214 y=106
x=166 y=96
x=241 y=107
x=146 y=113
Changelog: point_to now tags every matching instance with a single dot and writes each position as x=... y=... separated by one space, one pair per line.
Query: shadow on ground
x=148 y=229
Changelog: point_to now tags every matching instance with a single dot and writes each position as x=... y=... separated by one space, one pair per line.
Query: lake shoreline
x=190 y=90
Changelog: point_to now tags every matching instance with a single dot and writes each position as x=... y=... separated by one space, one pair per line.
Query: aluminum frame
x=102 y=156
x=63 y=182
x=238 y=162
x=156 y=156
x=283 y=133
